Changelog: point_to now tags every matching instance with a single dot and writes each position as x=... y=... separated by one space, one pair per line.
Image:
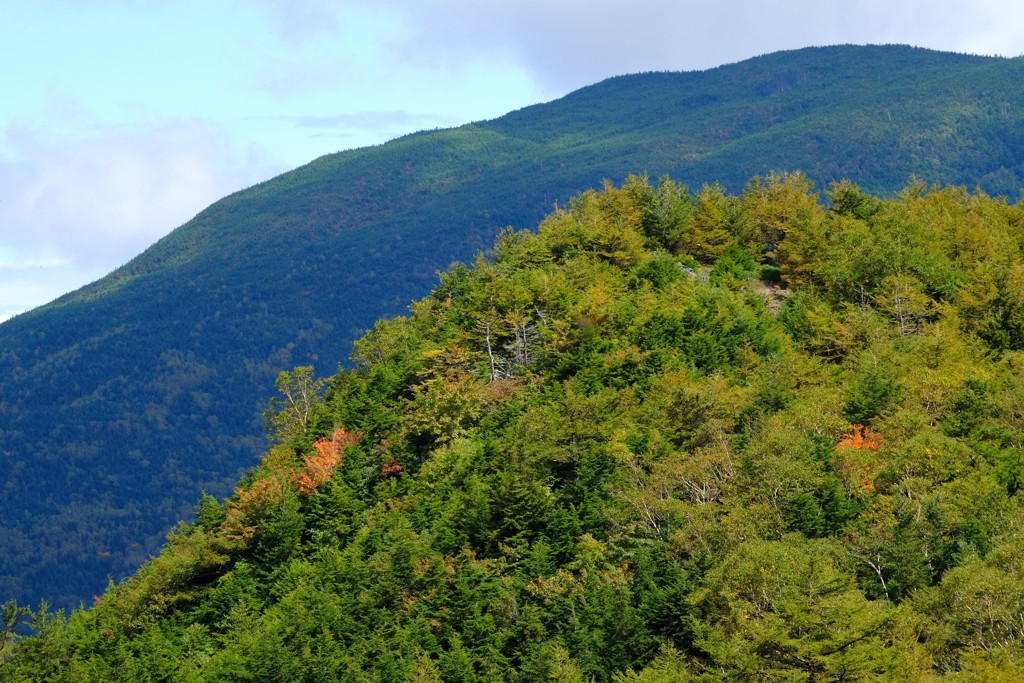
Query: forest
x=122 y=402
x=671 y=435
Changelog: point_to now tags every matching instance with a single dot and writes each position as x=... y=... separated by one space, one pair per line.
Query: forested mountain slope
x=671 y=436
x=122 y=402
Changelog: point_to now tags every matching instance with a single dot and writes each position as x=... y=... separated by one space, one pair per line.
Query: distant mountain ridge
x=121 y=402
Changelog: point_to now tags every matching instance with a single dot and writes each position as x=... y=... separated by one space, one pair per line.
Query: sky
x=122 y=119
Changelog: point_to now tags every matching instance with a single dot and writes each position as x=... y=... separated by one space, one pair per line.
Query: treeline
x=672 y=436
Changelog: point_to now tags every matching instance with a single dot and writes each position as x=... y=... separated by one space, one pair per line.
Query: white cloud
x=571 y=43
x=73 y=210
x=21 y=289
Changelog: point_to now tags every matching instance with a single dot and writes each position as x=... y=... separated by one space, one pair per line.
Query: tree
x=10 y=616
x=788 y=610
x=788 y=224
x=291 y=413
x=318 y=467
x=848 y=200
x=668 y=213
x=710 y=234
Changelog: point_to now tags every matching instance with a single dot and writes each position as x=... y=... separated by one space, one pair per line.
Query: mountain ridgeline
x=122 y=402
x=670 y=436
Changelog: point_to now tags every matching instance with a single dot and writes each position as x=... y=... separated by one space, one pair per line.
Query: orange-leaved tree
x=860 y=437
x=317 y=467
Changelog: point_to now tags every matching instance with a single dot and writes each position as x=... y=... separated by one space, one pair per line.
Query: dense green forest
x=122 y=402
x=673 y=435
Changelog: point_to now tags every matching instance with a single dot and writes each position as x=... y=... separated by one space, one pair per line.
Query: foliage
x=318 y=467
x=292 y=412
x=597 y=456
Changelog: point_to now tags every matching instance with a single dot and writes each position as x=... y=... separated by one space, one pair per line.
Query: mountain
x=666 y=438
x=122 y=402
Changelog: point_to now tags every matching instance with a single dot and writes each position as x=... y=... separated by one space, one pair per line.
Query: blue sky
x=121 y=119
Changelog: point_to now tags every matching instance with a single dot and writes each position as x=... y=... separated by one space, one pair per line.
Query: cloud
x=20 y=288
x=326 y=45
x=297 y=21
x=73 y=210
x=366 y=121
x=571 y=43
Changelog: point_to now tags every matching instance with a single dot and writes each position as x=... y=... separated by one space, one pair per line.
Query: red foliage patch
x=317 y=467
x=860 y=438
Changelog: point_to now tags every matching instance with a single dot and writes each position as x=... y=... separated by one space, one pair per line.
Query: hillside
x=670 y=436
x=122 y=402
